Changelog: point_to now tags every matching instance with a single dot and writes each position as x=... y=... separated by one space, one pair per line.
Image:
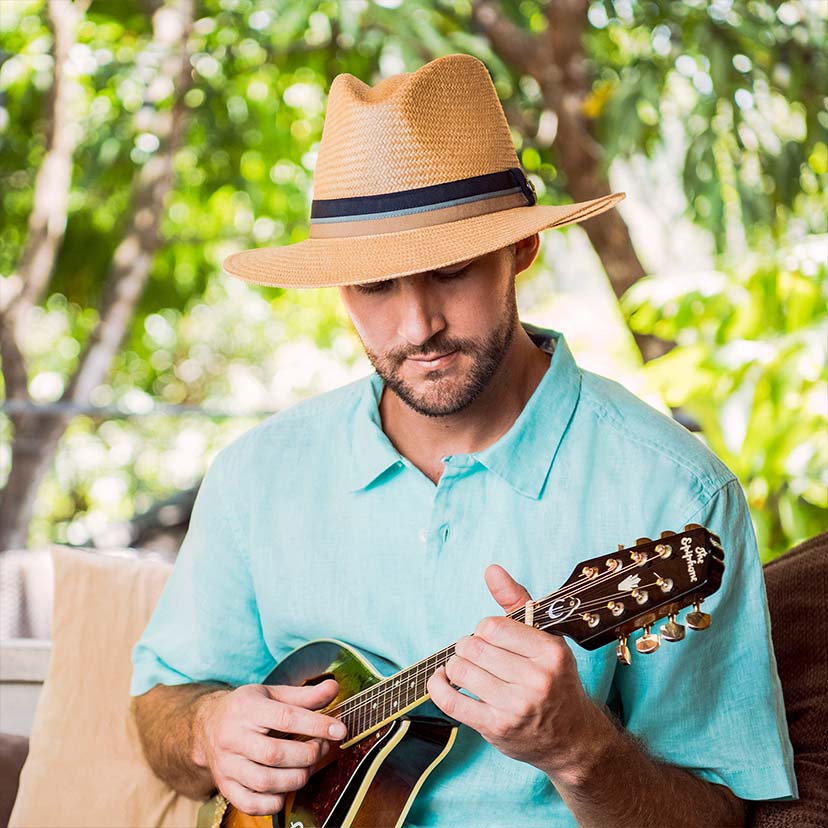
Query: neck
x=394 y=696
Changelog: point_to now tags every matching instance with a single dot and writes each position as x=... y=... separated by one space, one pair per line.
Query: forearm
x=168 y=719
x=616 y=783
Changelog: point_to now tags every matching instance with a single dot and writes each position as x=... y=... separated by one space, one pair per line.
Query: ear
x=526 y=251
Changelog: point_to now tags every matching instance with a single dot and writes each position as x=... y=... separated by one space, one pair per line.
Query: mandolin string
x=581 y=585
x=379 y=691
x=381 y=688
x=376 y=691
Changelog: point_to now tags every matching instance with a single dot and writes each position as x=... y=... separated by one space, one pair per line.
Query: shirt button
x=422 y=535
x=444 y=532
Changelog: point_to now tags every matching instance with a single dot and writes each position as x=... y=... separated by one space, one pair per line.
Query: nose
x=420 y=316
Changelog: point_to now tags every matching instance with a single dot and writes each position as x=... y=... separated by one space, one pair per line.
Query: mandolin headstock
x=612 y=596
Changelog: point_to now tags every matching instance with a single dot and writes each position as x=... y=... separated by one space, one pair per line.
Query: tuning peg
x=689 y=527
x=698 y=620
x=639 y=541
x=622 y=651
x=648 y=643
x=672 y=631
x=667 y=534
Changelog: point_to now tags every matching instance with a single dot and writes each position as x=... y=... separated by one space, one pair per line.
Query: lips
x=432 y=362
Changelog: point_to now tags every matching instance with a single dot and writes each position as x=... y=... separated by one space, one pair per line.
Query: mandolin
x=375 y=775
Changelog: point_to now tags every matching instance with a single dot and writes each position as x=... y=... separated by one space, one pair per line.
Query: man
x=369 y=514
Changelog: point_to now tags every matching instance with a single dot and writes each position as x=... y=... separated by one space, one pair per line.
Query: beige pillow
x=85 y=767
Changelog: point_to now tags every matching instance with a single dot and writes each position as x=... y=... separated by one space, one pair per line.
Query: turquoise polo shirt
x=312 y=525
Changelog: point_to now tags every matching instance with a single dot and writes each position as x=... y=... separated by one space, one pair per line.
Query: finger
x=487 y=687
x=312 y=696
x=467 y=711
x=289 y=718
x=250 y=802
x=282 y=753
x=521 y=639
x=262 y=779
x=505 y=589
x=502 y=664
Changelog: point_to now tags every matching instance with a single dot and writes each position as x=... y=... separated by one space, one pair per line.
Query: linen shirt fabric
x=312 y=525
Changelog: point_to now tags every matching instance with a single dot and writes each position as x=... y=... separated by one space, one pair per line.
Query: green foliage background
x=744 y=81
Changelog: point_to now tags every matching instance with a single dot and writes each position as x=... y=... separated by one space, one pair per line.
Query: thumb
x=309 y=696
x=505 y=589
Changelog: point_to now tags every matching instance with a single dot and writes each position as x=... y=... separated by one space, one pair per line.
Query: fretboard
x=394 y=696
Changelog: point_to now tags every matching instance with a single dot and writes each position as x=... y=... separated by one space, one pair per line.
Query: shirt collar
x=372 y=453
x=522 y=457
x=524 y=454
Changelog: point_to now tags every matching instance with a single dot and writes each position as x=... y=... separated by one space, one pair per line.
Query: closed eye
x=374 y=287
x=382 y=286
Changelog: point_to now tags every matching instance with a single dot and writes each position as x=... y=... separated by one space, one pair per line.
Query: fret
x=362 y=719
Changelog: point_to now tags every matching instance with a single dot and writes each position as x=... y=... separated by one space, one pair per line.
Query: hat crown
x=442 y=123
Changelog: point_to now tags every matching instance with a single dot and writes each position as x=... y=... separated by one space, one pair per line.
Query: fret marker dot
x=375 y=705
x=394 y=704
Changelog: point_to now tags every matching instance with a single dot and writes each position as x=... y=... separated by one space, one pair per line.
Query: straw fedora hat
x=415 y=173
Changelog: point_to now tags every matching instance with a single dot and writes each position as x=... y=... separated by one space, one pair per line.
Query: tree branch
x=132 y=260
x=557 y=61
x=47 y=221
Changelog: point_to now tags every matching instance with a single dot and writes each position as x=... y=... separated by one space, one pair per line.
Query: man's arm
x=168 y=718
x=616 y=783
x=532 y=707
x=199 y=737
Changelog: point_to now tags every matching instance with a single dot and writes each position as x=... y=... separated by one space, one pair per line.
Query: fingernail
x=337 y=731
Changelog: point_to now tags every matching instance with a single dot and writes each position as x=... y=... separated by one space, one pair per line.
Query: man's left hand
x=530 y=703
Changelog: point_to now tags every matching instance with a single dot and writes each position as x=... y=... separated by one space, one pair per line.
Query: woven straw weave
x=464 y=131
x=440 y=124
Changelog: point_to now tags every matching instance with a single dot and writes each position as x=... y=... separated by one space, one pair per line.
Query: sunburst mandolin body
x=374 y=781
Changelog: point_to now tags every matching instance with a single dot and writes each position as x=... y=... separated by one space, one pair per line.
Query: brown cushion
x=13 y=750
x=797 y=586
x=85 y=767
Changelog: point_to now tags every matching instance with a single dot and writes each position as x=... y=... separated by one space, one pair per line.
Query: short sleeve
x=712 y=703
x=206 y=625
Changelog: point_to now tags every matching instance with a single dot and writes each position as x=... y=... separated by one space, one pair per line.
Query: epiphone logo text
x=692 y=557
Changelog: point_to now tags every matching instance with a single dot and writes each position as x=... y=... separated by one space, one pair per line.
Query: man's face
x=436 y=338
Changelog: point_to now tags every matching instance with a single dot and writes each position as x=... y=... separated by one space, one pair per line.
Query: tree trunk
x=36 y=436
x=556 y=60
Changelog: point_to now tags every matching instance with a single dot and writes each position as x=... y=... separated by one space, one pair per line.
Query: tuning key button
x=672 y=631
x=698 y=620
x=666 y=534
x=648 y=643
x=622 y=651
x=640 y=595
x=666 y=584
x=591 y=619
x=689 y=527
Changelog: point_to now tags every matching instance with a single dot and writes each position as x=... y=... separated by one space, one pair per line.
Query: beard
x=442 y=392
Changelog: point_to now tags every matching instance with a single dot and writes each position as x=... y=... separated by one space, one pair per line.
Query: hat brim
x=315 y=263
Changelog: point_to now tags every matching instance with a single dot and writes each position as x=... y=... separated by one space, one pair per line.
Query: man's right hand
x=252 y=769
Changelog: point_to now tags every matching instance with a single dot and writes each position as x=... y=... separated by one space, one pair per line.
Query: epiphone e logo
x=297 y=824
x=557 y=612
x=692 y=557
